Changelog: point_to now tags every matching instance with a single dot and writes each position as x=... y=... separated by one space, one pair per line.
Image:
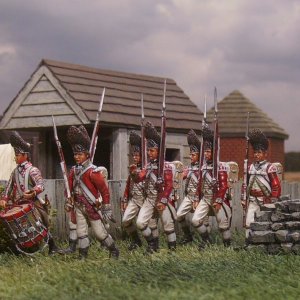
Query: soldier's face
x=194 y=156
x=152 y=153
x=208 y=154
x=136 y=157
x=260 y=155
x=80 y=157
x=20 y=158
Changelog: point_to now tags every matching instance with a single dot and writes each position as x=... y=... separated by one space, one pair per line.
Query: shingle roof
x=122 y=104
x=232 y=114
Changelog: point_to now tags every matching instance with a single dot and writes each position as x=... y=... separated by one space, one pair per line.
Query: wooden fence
x=54 y=189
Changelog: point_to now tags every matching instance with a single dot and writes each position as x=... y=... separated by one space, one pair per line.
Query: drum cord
x=39 y=250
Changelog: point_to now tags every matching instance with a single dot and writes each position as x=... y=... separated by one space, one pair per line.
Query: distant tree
x=292 y=161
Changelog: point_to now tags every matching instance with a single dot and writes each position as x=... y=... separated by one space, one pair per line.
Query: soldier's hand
x=160 y=206
x=29 y=194
x=2 y=203
x=195 y=204
x=243 y=203
x=107 y=213
x=98 y=204
x=69 y=205
x=217 y=206
x=124 y=205
x=133 y=169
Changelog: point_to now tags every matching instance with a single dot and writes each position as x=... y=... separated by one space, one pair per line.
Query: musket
x=201 y=154
x=96 y=129
x=216 y=148
x=245 y=174
x=63 y=165
x=143 y=139
x=162 y=149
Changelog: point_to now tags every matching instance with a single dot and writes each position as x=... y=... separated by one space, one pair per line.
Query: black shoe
x=206 y=241
x=83 y=253
x=53 y=249
x=133 y=246
x=71 y=248
x=186 y=240
x=172 y=246
x=114 y=252
x=227 y=243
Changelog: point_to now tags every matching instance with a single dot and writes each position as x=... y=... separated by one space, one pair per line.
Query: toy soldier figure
x=134 y=196
x=263 y=183
x=156 y=201
x=90 y=193
x=26 y=184
x=191 y=175
x=212 y=201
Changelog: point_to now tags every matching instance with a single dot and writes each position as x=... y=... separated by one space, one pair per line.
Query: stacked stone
x=277 y=228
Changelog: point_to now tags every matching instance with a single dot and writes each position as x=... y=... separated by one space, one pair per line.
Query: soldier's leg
x=82 y=234
x=129 y=226
x=253 y=208
x=223 y=216
x=153 y=225
x=201 y=224
x=184 y=208
x=142 y=223
x=104 y=237
x=72 y=237
x=168 y=218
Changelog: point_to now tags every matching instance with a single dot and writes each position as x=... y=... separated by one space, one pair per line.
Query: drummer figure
x=26 y=184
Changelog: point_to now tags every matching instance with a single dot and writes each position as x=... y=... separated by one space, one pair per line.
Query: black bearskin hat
x=193 y=141
x=152 y=136
x=258 y=140
x=79 y=139
x=17 y=142
x=135 y=141
x=208 y=138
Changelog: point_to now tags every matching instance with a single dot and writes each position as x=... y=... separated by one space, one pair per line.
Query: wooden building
x=232 y=116
x=71 y=93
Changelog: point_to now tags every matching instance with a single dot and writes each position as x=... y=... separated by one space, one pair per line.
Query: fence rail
x=54 y=188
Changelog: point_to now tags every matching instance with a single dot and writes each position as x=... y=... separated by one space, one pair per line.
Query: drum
x=24 y=225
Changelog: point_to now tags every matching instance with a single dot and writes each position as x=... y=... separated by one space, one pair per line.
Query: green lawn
x=215 y=273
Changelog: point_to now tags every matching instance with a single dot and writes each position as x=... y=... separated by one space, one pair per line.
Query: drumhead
x=16 y=211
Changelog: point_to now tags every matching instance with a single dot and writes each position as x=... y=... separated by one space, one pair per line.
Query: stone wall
x=277 y=228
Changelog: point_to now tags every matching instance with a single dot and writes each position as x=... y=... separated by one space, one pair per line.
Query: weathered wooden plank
x=43 y=86
x=72 y=70
x=117 y=91
x=43 y=110
x=43 y=98
x=117 y=119
x=29 y=122
x=136 y=112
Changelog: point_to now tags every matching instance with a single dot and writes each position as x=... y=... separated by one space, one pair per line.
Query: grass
x=215 y=273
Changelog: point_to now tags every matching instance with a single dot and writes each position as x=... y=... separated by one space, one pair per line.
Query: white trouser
x=131 y=212
x=72 y=230
x=223 y=215
x=167 y=216
x=253 y=208
x=184 y=208
x=98 y=228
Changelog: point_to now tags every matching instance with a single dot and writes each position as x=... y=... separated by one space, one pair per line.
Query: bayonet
x=94 y=139
x=143 y=139
x=245 y=175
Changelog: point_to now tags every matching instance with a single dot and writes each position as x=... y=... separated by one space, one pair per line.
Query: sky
x=248 y=45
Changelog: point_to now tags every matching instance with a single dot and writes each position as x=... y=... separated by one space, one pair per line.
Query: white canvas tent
x=7 y=161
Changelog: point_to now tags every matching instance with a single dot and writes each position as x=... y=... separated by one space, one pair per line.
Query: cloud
x=252 y=46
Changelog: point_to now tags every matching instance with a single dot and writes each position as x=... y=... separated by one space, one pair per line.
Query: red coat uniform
x=149 y=175
x=95 y=183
